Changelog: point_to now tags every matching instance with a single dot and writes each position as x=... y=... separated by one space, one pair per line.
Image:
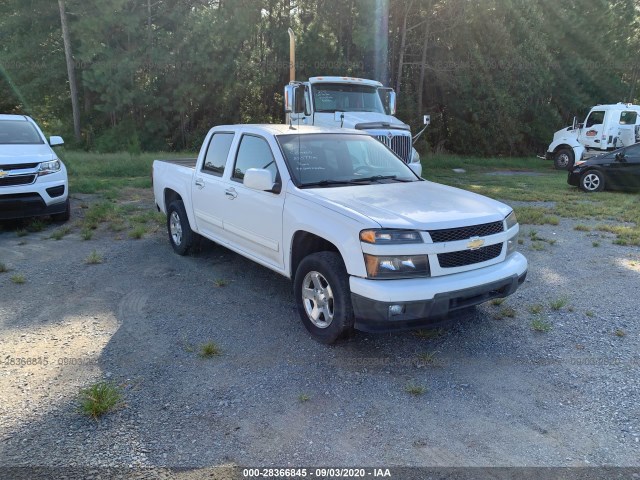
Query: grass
x=91 y=172
x=138 y=232
x=220 y=282
x=209 y=350
x=428 y=334
x=539 y=325
x=536 y=308
x=304 y=398
x=582 y=228
x=590 y=313
x=18 y=279
x=22 y=232
x=505 y=312
x=3 y=268
x=558 y=303
x=595 y=244
x=428 y=358
x=36 y=225
x=99 y=399
x=60 y=233
x=537 y=246
x=94 y=258
x=497 y=301
x=86 y=234
x=619 y=333
x=415 y=390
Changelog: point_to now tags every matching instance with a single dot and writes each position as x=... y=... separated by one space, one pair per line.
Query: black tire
x=564 y=159
x=180 y=234
x=592 y=181
x=64 y=216
x=336 y=309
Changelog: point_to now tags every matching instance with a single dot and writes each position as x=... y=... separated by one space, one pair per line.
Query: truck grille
x=469 y=257
x=464 y=233
x=18 y=166
x=17 y=180
x=400 y=144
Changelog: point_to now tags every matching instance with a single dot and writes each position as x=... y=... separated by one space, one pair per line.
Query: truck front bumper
x=383 y=305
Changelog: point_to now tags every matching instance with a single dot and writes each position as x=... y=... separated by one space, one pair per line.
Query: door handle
x=230 y=193
x=199 y=183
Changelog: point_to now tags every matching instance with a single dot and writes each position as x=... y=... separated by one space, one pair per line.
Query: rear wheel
x=592 y=181
x=180 y=234
x=564 y=159
x=323 y=298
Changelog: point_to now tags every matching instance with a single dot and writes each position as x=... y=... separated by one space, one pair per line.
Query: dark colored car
x=619 y=169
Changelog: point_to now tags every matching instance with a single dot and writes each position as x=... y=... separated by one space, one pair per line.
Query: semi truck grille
x=400 y=144
x=469 y=257
x=465 y=233
x=17 y=180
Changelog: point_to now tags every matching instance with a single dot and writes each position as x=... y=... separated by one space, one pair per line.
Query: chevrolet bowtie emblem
x=475 y=243
x=3 y=173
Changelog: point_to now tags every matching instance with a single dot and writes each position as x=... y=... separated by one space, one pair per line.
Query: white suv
x=33 y=180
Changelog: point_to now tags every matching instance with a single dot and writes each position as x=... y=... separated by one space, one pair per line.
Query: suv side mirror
x=258 y=179
x=620 y=157
x=294 y=98
x=388 y=97
x=55 y=140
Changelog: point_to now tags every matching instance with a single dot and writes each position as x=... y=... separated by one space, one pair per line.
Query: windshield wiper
x=327 y=183
x=375 y=178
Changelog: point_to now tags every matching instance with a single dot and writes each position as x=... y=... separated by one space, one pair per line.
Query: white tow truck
x=367 y=242
x=606 y=128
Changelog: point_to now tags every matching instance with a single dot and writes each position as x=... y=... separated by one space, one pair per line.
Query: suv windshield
x=329 y=159
x=344 y=97
x=18 y=132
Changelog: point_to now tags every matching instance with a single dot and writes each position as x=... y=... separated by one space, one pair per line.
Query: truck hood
x=565 y=134
x=419 y=205
x=18 y=154
x=365 y=120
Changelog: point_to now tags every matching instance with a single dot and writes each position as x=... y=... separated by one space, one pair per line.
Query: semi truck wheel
x=564 y=159
x=180 y=233
x=323 y=298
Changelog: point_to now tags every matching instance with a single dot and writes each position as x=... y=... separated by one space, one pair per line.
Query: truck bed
x=184 y=162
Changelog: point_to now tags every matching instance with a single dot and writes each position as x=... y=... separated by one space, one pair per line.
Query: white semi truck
x=606 y=128
x=348 y=102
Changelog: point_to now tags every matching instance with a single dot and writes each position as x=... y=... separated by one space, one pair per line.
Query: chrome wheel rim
x=175 y=227
x=318 y=300
x=591 y=181
x=563 y=160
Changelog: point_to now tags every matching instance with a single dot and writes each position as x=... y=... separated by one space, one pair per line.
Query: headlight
x=49 y=167
x=390 y=237
x=511 y=220
x=403 y=266
x=579 y=163
x=415 y=156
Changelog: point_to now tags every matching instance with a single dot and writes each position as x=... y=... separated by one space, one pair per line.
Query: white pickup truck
x=368 y=243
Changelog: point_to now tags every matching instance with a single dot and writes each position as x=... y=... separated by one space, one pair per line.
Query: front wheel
x=592 y=181
x=323 y=297
x=564 y=159
x=180 y=234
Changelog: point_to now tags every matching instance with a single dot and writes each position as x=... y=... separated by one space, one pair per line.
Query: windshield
x=344 y=97
x=18 y=132
x=324 y=159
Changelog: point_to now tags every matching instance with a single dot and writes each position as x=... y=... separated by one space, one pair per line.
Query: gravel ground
x=496 y=392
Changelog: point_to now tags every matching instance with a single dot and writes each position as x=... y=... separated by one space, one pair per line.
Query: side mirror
x=620 y=157
x=388 y=97
x=294 y=98
x=55 y=141
x=258 y=179
x=426 y=120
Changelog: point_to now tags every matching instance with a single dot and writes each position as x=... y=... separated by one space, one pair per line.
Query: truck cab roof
x=617 y=106
x=285 y=129
x=361 y=81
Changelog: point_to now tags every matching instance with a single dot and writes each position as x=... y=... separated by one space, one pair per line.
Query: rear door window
x=628 y=118
x=217 y=152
